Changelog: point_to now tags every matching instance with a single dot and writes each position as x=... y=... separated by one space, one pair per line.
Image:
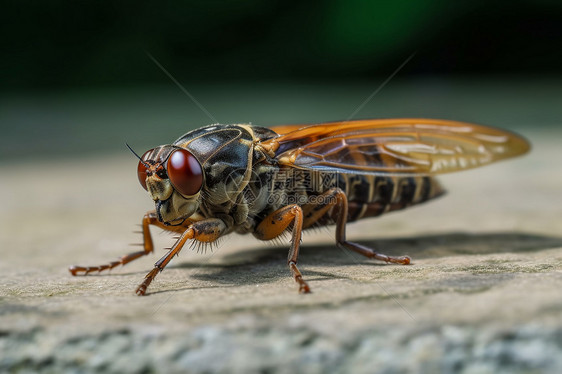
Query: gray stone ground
x=482 y=296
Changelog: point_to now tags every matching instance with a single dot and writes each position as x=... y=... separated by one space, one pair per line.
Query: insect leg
x=274 y=225
x=335 y=197
x=148 y=219
x=207 y=230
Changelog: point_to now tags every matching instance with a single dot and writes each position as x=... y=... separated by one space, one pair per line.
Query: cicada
x=240 y=178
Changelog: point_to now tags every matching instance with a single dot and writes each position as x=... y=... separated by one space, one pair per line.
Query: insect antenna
x=135 y=153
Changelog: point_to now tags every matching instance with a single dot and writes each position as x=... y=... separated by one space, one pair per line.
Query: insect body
x=239 y=178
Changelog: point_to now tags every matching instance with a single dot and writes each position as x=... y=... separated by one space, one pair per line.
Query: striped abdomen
x=367 y=195
x=370 y=195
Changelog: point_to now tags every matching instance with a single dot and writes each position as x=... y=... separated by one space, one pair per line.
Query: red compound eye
x=185 y=172
x=141 y=171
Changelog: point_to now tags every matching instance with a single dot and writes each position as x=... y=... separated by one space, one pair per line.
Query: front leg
x=148 y=219
x=207 y=230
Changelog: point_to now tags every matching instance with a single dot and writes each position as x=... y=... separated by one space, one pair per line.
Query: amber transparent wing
x=285 y=129
x=394 y=146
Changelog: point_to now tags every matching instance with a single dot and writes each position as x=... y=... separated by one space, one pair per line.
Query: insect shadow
x=264 y=265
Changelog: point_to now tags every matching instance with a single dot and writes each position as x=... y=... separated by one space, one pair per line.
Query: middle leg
x=274 y=225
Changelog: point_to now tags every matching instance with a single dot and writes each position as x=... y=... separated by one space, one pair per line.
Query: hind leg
x=334 y=203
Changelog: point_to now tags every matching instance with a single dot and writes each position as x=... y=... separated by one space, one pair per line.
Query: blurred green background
x=76 y=78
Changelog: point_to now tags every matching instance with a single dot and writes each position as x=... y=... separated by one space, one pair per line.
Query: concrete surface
x=482 y=296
